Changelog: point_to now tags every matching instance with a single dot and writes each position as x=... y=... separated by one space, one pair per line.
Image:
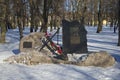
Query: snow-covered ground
x=104 y=41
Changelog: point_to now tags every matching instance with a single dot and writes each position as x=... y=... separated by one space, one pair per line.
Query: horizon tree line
x=44 y=13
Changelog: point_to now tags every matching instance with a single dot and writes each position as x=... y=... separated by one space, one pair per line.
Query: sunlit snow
x=104 y=41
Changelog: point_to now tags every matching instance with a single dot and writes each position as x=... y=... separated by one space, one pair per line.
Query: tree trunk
x=20 y=28
x=32 y=18
x=99 y=18
x=14 y=22
x=2 y=31
x=19 y=17
x=2 y=22
x=45 y=16
x=119 y=34
x=51 y=22
x=119 y=24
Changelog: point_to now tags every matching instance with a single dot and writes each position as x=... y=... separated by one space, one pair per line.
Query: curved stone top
x=31 y=41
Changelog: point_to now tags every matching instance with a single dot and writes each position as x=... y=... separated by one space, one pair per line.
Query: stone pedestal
x=31 y=42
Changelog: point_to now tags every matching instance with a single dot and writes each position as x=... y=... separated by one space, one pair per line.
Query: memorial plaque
x=27 y=44
x=74 y=37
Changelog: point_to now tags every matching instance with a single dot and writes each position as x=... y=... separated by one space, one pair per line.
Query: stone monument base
x=31 y=42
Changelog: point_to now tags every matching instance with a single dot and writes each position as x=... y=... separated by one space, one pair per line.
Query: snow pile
x=99 y=59
x=30 y=58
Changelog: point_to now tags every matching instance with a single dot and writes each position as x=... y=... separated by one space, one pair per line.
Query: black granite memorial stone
x=74 y=37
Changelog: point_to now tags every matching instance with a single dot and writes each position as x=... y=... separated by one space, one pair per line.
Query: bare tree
x=19 y=13
x=45 y=16
x=2 y=21
x=119 y=23
x=51 y=8
x=99 y=17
